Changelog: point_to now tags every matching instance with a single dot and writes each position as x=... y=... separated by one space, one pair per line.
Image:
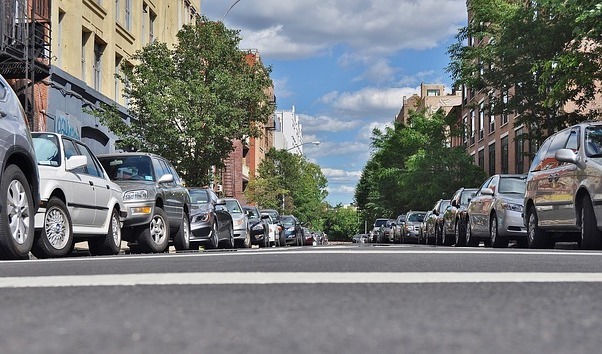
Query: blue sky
x=345 y=65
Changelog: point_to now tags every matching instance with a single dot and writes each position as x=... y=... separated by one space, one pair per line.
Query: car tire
x=214 y=240
x=470 y=240
x=590 y=235
x=460 y=234
x=246 y=243
x=230 y=241
x=154 y=238
x=17 y=221
x=110 y=244
x=497 y=241
x=536 y=237
x=282 y=239
x=181 y=241
x=56 y=237
x=446 y=240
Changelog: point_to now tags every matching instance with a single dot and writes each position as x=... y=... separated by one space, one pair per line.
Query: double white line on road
x=291 y=278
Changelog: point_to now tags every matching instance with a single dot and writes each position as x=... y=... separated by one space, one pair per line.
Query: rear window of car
x=47 y=149
x=233 y=207
x=199 y=196
x=288 y=221
x=418 y=217
x=123 y=168
x=512 y=185
x=380 y=222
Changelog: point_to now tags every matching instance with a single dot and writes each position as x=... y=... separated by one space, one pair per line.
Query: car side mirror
x=220 y=202
x=166 y=178
x=265 y=217
x=487 y=191
x=454 y=203
x=567 y=155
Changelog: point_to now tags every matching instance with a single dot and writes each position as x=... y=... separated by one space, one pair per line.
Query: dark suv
x=157 y=202
x=454 y=218
x=19 y=179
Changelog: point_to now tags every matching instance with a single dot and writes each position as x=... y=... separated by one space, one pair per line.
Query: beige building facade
x=90 y=40
x=432 y=97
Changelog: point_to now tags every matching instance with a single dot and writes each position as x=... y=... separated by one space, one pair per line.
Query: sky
x=345 y=65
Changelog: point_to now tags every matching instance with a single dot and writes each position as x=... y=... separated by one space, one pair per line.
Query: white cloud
x=281 y=86
x=384 y=104
x=366 y=132
x=289 y=29
x=313 y=124
x=341 y=189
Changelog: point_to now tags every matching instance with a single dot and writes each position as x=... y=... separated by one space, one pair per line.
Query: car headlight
x=512 y=207
x=257 y=227
x=291 y=229
x=239 y=222
x=135 y=195
x=202 y=217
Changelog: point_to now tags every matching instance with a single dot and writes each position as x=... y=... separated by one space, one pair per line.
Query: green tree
x=533 y=57
x=341 y=223
x=188 y=103
x=290 y=184
x=412 y=167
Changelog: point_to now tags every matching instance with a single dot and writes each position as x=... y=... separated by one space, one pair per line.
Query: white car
x=274 y=231
x=78 y=200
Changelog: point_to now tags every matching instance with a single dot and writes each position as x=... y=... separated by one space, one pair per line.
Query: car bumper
x=138 y=213
x=240 y=234
x=511 y=225
x=200 y=231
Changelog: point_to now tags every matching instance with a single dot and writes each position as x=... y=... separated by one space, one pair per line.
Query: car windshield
x=252 y=212
x=47 y=149
x=288 y=221
x=512 y=185
x=233 y=206
x=199 y=196
x=466 y=196
x=123 y=168
x=380 y=222
x=444 y=204
x=417 y=217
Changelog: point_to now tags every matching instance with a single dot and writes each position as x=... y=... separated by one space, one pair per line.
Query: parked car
x=308 y=237
x=242 y=232
x=376 y=227
x=275 y=231
x=398 y=228
x=78 y=200
x=258 y=226
x=454 y=218
x=19 y=178
x=411 y=230
x=439 y=212
x=495 y=212
x=293 y=232
x=157 y=202
x=385 y=233
x=563 y=197
x=210 y=222
x=423 y=233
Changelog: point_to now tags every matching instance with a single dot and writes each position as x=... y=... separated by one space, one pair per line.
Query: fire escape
x=25 y=48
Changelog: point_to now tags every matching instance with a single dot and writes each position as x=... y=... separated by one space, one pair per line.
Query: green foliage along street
x=411 y=167
x=188 y=103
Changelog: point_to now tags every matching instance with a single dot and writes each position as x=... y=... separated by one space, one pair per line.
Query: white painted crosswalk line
x=292 y=278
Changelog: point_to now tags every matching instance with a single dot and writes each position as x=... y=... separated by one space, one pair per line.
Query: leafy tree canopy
x=188 y=103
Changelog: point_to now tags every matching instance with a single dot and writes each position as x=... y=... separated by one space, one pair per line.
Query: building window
x=505 y=112
x=432 y=92
x=98 y=51
x=151 y=27
x=472 y=127
x=465 y=133
x=117 y=12
x=491 y=118
x=519 y=148
x=481 y=120
x=504 y=143
x=128 y=15
x=118 y=59
x=481 y=158
x=492 y=159
x=85 y=38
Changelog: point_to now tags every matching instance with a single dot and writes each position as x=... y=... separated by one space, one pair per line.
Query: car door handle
x=91 y=183
x=108 y=187
x=553 y=177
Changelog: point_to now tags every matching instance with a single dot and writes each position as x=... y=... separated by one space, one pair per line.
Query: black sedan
x=210 y=222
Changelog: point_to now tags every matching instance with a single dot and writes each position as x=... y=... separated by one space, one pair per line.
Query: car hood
x=131 y=185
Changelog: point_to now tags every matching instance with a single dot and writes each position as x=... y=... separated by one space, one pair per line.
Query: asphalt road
x=328 y=299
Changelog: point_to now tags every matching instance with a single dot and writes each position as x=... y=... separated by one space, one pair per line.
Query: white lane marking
x=325 y=250
x=291 y=278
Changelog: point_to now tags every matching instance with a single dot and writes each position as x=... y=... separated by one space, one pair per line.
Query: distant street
x=329 y=299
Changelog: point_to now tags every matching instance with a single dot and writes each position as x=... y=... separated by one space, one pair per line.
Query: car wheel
x=214 y=240
x=470 y=240
x=230 y=241
x=56 y=237
x=496 y=240
x=590 y=235
x=536 y=237
x=111 y=243
x=247 y=241
x=17 y=218
x=154 y=238
x=460 y=237
x=282 y=240
x=446 y=240
x=181 y=240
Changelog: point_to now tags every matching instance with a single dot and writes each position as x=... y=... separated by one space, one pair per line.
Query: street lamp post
x=299 y=145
